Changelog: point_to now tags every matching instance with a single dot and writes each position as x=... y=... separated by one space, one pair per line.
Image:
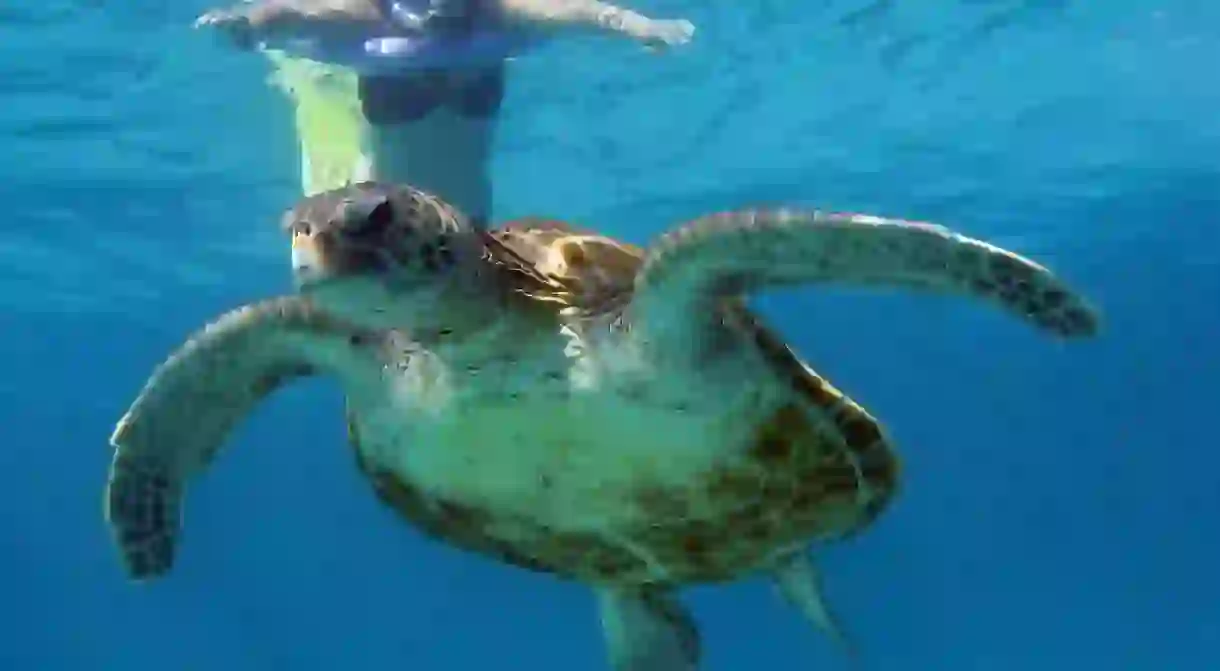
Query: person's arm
x=252 y=21
x=599 y=16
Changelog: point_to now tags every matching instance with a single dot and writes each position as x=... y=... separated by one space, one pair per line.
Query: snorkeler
x=409 y=90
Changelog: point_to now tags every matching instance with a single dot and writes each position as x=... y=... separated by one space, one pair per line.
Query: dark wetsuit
x=398 y=99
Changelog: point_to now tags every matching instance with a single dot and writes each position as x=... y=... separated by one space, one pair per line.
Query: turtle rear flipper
x=647 y=630
x=187 y=410
x=798 y=581
x=691 y=267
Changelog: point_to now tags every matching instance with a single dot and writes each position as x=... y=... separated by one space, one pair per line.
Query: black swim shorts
x=398 y=99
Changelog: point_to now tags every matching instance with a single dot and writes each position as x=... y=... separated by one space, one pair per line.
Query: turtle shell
x=820 y=468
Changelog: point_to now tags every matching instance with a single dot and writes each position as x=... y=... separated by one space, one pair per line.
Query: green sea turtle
x=567 y=403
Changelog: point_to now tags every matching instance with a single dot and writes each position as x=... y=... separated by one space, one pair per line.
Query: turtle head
x=381 y=255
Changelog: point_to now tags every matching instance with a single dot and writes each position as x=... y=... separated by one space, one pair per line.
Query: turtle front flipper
x=693 y=266
x=186 y=411
x=647 y=629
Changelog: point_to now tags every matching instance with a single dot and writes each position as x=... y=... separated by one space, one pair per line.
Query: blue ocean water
x=1060 y=508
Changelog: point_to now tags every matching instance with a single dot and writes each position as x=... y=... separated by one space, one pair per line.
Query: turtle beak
x=307 y=266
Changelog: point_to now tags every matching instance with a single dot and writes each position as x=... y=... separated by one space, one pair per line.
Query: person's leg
x=436 y=131
x=431 y=130
x=330 y=127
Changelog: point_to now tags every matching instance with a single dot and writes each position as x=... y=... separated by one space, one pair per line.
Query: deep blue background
x=1061 y=500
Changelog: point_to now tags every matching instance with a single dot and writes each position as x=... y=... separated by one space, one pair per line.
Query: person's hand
x=234 y=23
x=659 y=34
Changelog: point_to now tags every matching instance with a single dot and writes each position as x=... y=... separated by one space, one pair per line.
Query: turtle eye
x=368 y=216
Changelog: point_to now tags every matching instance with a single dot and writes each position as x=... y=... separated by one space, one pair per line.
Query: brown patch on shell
x=551 y=262
x=797 y=483
x=516 y=541
x=819 y=468
x=829 y=461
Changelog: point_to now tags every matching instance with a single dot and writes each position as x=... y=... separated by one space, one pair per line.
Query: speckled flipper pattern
x=182 y=418
x=751 y=249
